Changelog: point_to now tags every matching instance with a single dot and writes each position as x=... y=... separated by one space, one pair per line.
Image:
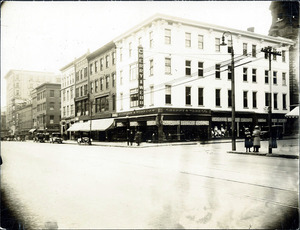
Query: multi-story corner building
x=67 y=96
x=174 y=79
x=96 y=93
x=48 y=103
x=285 y=23
x=19 y=84
x=81 y=88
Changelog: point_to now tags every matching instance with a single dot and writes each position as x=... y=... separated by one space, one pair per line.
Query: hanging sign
x=141 y=76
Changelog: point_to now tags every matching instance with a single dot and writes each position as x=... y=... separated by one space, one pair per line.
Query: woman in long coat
x=248 y=140
x=256 y=140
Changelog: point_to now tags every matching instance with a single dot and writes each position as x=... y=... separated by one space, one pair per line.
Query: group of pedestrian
x=131 y=137
x=252 y=140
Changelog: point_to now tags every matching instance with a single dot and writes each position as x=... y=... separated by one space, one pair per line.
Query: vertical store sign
x=141 y=75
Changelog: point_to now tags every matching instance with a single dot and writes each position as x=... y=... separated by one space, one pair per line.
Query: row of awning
x=94 y=125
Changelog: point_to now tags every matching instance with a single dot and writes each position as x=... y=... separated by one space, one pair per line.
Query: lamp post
x=232 y=88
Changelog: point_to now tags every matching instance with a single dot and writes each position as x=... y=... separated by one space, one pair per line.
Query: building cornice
x=103 y=49
x=208 y=26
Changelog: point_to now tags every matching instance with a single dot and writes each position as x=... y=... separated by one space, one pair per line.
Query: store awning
x=293 y=114
x=97 y=125
x=31 y=130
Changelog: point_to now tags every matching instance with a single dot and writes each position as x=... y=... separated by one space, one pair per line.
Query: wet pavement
x=195 y=185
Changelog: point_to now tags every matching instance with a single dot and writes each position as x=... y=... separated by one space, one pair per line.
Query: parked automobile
x=84 y=140
x=56 y=138
x=40 y=137
x=277 y=132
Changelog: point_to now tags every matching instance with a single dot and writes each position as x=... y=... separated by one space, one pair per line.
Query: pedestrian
x=248 y=140
x=127 y=136
x=131 y=137
x=256 y=140
x=138 y=137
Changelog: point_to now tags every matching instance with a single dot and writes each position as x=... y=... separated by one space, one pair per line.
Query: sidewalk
x=287 y=148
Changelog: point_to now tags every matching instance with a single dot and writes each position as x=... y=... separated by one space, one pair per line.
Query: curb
x=265 y=154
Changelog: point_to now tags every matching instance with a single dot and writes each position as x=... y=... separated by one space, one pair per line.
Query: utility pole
x=268 y=54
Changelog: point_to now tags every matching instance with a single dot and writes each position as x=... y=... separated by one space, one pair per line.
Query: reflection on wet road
x=200 y=186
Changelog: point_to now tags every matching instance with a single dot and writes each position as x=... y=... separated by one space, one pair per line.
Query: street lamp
x=232 y=88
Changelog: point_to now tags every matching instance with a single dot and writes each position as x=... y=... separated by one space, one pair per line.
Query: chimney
x=251 y=29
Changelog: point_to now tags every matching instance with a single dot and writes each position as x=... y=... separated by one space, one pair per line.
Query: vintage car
x=40 y=137
x=84 y=140
x=56 y=138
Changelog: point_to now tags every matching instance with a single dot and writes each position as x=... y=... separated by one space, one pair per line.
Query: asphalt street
x=184 y=186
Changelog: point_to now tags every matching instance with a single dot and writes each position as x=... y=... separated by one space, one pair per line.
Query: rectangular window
x=113 y=76
x=284 y=101
x=133 y=72
x=200 y=42
x=151 y=67
x=102 y=104
x=200 y=96
x=134 y=97
x=85 y=89
x=245 y=99
x=64 y=111
x=121 y=101
x=245 y=77
x=51 y=119
x=200 y=69
x=92 y=87
x=168 y=94
x=218 y=71
x=96 y=86
x=101 y=83
x=85 y=72
x=77 y=76
x=283 y=78
x=81 y=91
x=253 y=50
x=283 y=55
x=218 y=97
x=274 y=77
x=51 y=93
x=107 y=61
x=151 y=95
x=167 y=65
x=113 y=58
x=254 y=99
x=101 y=64
x=267 y=99
x=245 y=49
x=77 y=92
x=113 y=102
x=253 y=75
x=91 y=69
x=217 y=44
x=188 y=68
x=229 y=72
x=167 y=36
x=275 y=101
x=151 y=39
x=121 y=77
x=121 y=54
x=266 y=76
x=107 y=81
x=71 y=93
x=51 y=106
x=67 y=111
x=96 y=66
x=188 y=41
x=130 y=49
x=229 y=98
x=188 y=95
x=72 y=110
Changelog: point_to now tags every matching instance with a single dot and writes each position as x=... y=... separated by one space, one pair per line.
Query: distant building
x=19 y=84
x=285 y=23
x=48 y=105
x=24 y=122
x=4 y=129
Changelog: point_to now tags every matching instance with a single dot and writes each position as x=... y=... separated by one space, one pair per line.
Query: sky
x=45 y=36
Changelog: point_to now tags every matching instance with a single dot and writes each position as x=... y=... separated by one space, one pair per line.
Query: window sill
x=246 y=107
x=189 y=105
x=218 y=106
